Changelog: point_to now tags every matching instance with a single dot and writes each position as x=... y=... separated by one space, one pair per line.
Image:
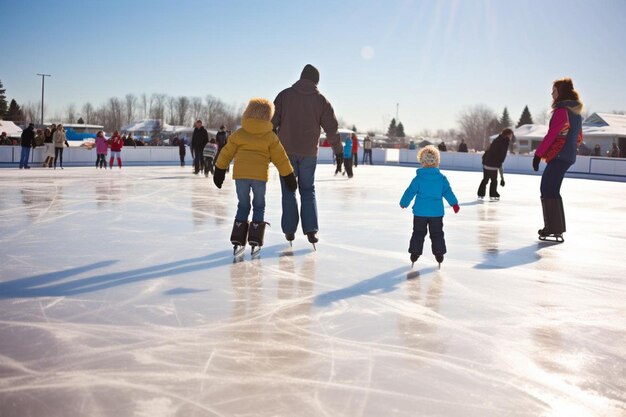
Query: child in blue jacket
x=347 y=156
x=428 y=188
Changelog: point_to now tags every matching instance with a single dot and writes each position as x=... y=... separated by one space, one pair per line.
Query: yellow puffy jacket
x=253 y=147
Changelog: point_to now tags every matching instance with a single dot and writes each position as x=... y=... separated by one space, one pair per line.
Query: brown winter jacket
x=300 y=111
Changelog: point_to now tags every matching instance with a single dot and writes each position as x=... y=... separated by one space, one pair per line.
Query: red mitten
x=456 y=208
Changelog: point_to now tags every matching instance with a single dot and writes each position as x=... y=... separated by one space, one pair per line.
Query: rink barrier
x=585 y=166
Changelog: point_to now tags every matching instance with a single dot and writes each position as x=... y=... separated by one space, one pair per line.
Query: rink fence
x=585 y=166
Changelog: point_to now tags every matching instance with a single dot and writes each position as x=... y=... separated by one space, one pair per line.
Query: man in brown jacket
x=300 y=113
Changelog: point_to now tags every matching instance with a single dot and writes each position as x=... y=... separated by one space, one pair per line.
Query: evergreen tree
x=392 y=131
x=3 y=101
x=494 y=127
x=505 y=121
x=400 y=130
x=354 y=128
x=525 y=118
x=15 y=112
x=80 y=121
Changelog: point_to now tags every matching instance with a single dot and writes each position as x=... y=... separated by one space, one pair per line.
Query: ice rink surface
x=119 y=297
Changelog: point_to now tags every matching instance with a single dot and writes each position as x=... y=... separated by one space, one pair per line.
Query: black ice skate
x=312 y=236
x=238 y=236
x=553 y=219
x=414 y=257
x=439 y=258
x=290 y=237
x=256 y=232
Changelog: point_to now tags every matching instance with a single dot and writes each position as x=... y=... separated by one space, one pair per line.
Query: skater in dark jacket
x=253 y=147
x=199 y=139
x=27 y=142
x=558 y=149
x=493 y=158
x=182 y=152
x=428 y=188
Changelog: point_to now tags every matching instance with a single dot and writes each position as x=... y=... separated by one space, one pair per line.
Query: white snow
x=119 y=297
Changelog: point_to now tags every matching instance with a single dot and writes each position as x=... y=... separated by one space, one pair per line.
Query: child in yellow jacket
x=253 y=147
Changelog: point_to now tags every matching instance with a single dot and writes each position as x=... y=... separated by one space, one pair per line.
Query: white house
x=602 y=129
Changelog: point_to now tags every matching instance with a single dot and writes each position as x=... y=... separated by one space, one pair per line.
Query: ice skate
x=494 y=198
x=414 y=258
x=238 y=237
x=439 y=258
x=290 y=237
x=312 y=236
x=553 y=219
x=256 y=232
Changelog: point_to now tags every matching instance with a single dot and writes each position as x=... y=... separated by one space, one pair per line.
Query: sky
x=425 y=61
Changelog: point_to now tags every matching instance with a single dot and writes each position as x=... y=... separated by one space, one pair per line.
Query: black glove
x=339 y=157
x=502 y=182
x=290 y=182
x=218 y=177
x=536 y=161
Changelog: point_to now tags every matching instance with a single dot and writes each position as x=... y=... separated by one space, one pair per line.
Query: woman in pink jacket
x=117 y=143
x=101 y=150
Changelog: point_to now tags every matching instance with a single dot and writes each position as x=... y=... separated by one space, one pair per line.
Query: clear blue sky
x=432 y=57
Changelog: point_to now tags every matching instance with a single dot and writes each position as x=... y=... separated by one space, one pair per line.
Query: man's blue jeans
x=304 y=170
x=24 y=156
x=258 y=200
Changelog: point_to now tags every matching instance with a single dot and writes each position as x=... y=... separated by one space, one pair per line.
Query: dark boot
x=239 y=233
x=312 y=236
x=256 y=233
x=553 y=218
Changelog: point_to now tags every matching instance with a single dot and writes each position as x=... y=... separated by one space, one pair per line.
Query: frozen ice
x=119 y=296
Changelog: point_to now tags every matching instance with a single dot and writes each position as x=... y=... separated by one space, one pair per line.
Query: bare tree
x=115 y=111
x=70 y=112
x=196 y=109
x=31 y=113
x=87 y=112
x=171 y=110
x=143 y=99
x=182 y=108
x=131 y=106
x=474 y=123
x=157 y=106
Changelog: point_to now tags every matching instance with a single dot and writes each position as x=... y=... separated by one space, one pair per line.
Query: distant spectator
x=347 y=155
x=49 y=148
x=59 y=139
x=597 y=150
x=584 y=150
x=129 y=141
x=463 y=146
x=4 y=140
x=27 y=142
x=355 y=150
x=367 y=150
x=221 y=137
x=199 y=139
x=412 y=145
x=209 y=152
x=39 y=138
x=117 y=144
x=102 y=148
x=615 y=152
x=442 y=147
x=182 y=152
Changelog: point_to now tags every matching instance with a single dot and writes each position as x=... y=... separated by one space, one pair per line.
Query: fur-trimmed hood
x=575 y=106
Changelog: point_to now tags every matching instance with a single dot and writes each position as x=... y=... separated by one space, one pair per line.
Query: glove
x=456 y=208
x=218 y=177
x=290 y=182
x=536 y=161
x=339 y=158
x=401 y=206
x=502 y=182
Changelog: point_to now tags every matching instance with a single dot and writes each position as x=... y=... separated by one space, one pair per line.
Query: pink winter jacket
x=101 y=145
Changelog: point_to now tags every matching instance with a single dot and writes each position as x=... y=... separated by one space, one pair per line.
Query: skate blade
x=552 y=238
x=255 y=250
x=314 y=248
x=238 y=250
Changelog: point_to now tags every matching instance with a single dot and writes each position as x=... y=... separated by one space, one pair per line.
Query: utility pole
x=43 y=77
x=397 y=112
